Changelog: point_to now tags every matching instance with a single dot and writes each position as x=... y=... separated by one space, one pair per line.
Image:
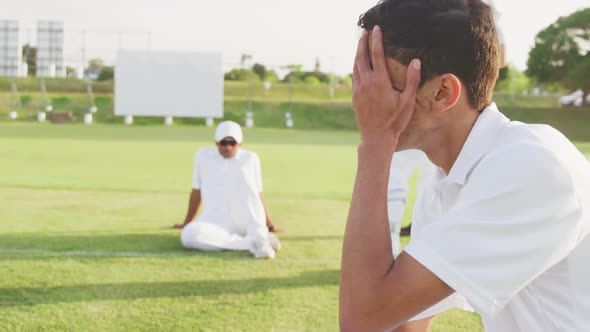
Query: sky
x=275 y=32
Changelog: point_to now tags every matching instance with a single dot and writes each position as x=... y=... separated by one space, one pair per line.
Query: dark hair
x=449 y=36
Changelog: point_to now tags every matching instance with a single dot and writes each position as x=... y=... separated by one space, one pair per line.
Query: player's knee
x=189 y=235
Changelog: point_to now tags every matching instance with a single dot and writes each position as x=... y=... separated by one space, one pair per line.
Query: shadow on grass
x=10 y=297
x=165 y=242
x=100 y=245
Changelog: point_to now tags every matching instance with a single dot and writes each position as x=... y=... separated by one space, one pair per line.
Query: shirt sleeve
x=455 y=301
x=197 y=176
x=257 y=173
x=515 y=218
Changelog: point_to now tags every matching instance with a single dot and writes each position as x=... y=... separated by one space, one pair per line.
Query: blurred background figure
x=403 y=166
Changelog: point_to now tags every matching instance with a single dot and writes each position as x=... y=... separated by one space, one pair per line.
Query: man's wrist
x=383 y=143
x=373 y=149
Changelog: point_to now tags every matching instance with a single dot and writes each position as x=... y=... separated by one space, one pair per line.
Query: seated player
x=227 y=181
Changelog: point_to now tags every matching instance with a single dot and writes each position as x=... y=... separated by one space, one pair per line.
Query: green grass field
x=85 y=242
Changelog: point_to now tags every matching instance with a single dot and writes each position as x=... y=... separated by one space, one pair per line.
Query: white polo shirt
x=230 y=189
x=508 y=227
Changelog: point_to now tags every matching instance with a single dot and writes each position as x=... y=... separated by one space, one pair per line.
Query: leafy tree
x=70 y=71
x=260 y=70
x=503 y=73
x=94 y=69
x=294 y=68
x=30 y=58
x=107 y=73
x=578 y=76
x=294 y=72
x=321 y=77
x=561 y=54
x=346 y=81
x=271 y=76
x=302 y=76
x=96 y=63
x=237 y=74
x=514 y=81
x=312 y=80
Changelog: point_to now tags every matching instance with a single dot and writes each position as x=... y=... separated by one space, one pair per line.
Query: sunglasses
x=228 y=142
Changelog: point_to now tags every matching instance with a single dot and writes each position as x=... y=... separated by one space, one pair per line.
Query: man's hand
x=382 y=112
x=275 y=229
x=269 y=224
x=179 y=226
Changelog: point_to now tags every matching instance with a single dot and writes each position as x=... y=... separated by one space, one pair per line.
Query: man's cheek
x=423 y=103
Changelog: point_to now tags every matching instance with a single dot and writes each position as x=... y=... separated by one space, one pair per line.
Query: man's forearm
x=192 y=212
x=268 y=219
x=193 y=206
x=367 y=257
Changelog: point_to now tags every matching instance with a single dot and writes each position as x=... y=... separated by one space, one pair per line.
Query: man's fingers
x=377 y=52
x=361 y=61
x=412 y=83
x=408 y=97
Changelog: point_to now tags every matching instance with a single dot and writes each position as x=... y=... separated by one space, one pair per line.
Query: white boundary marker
x=196 y=254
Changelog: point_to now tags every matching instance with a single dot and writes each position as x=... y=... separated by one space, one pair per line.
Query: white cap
x=229 y=129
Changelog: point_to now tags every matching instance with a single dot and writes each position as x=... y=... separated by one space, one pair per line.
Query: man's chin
x=403 y=143
x=228 y=155
x=407 y=140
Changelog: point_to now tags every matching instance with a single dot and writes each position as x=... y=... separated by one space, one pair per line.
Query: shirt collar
x=479 y=141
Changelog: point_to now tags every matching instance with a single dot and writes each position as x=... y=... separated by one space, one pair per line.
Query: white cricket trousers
x=203 y=235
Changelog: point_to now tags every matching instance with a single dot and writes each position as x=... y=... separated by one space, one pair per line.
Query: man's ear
x=447 y=93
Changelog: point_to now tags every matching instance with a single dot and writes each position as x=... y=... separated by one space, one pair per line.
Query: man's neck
x=446 y=146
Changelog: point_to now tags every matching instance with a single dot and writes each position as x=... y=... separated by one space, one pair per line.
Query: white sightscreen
x=149 y=83
x=10 y=52
x=50 y=49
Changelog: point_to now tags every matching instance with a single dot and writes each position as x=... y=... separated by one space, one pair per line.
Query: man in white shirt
x=507 y=220
x=227 y=181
